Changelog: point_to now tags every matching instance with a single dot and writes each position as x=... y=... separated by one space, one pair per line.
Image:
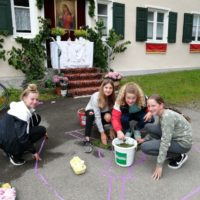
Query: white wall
x=8 y=74
x=177 y=55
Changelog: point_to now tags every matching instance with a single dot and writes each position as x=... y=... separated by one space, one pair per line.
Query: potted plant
x=61 y=83
x=58 y=32
x=115 y=76
x=80 y=33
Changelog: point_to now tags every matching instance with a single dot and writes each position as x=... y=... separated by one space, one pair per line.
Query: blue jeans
x=138 y=116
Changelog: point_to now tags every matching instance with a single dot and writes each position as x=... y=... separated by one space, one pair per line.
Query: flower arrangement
x=61 y=81
x=57 y=31
x=7 y=192
x=80 y=33
x=115 y=76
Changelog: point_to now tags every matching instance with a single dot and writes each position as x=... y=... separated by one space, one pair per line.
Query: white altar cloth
x=74 y=54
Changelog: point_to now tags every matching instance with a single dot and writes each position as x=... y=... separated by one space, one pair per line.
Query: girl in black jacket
x=19 y=127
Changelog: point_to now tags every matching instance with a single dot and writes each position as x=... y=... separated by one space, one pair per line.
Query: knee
x=107 y=117
x=144 y=148
x=90 y=114
x=43 y=130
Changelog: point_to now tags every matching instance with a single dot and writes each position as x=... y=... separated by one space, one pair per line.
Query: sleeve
x=97 y=113
x=146 y=107
x=116 y=118
x=23 y=137
x=167 y=127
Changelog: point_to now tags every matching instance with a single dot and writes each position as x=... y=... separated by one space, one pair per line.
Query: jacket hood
x=19 y=110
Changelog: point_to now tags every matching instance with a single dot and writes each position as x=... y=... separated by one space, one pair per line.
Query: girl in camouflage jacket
x=175 y=136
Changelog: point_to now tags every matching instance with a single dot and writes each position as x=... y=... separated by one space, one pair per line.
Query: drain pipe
x=110 y=51
x=59 y=53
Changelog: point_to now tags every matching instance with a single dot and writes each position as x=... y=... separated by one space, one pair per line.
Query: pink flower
x=7 y=193
x=113 y=75
x=60 y=79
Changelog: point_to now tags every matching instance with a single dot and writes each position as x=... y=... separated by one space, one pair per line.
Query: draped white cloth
x=74 y=54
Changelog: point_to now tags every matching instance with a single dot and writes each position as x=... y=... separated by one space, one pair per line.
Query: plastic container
x=81 y=116
x=124 y=156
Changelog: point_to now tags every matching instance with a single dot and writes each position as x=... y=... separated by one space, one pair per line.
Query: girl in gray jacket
x=173 y=141
x=99 y=109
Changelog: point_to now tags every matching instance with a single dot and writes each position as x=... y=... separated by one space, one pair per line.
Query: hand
x=37 y=157
x=46 y=136
x=104 y=138
x=140 y=140
x=112 y=134
x=157 y=173
x=120 y=135
x=147 y=117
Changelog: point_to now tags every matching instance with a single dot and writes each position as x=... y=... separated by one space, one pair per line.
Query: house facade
x=164 y=35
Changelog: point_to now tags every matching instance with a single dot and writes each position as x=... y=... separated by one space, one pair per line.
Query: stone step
x=80 y=70
x=84 y=76
x=80 y=91
x=84 y=83
x=83 y=91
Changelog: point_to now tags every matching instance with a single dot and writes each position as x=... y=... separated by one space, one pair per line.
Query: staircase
x=84 y=81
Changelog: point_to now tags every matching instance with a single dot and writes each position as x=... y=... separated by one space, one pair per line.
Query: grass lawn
x=177 y=88
x=45 y=94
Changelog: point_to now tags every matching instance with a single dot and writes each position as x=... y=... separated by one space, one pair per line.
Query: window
x=196 y=28
x=22 y=16
x=102 y=15
x=104 y=12
x=157 y=25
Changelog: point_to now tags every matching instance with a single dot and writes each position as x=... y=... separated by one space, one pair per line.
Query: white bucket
x=124 y=156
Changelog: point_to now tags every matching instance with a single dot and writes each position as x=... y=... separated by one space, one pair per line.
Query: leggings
x=90 y=121
x=36 y=132
x=138 y=116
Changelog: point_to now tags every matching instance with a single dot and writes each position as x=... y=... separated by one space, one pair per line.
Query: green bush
x=31 y=56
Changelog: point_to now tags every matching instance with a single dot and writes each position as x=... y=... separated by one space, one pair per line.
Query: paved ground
x=104 y=180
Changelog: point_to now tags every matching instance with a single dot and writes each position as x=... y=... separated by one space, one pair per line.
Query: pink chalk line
x=107 y=164
x=123 y=178
x=42 y=178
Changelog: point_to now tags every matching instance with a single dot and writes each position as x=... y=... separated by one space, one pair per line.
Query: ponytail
x=179 y=112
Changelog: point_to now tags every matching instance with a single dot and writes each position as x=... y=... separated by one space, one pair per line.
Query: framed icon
x=65 y=14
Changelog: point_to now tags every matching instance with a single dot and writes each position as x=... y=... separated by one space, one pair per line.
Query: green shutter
x=172 y=27
x=141 y=24
x=5 y=16
x=119 y=18
x=187 y=28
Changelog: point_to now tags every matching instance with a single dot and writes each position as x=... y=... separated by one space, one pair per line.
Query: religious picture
x=65 y=13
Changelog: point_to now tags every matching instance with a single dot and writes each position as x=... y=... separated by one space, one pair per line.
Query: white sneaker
x=128 y=134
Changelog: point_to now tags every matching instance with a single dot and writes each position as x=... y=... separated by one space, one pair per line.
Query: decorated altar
x=71 y=54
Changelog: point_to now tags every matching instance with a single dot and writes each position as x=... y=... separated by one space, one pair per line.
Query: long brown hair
x=103 y=101
x=160 y=100
x=132 y=88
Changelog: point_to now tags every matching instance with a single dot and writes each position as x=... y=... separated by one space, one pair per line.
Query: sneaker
x=16 y=161
x=178 y=162
x=87 y=146
x=128 y=134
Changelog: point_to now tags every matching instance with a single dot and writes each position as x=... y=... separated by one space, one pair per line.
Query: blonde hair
x=103 y=101
x=132 y=88
x=31 y=88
